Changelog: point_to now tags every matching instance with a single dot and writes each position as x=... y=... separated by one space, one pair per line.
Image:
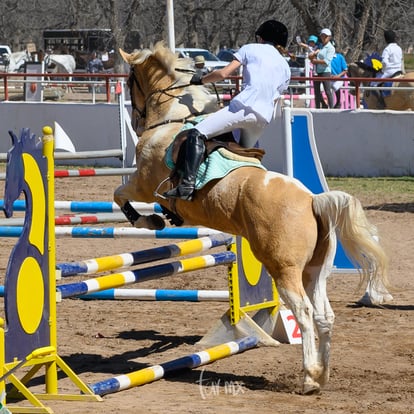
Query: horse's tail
x=343 y=213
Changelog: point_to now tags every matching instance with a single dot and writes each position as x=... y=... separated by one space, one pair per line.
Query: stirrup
x=181 y=191
x=156 y=191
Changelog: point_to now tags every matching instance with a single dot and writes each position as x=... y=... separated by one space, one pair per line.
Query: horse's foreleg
x=122 y=195
x=290 y=288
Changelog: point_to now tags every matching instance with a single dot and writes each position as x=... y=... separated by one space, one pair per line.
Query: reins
x=164 y=91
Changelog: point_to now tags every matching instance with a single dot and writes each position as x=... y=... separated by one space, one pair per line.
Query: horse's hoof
x=152 y=222
x=311 y=388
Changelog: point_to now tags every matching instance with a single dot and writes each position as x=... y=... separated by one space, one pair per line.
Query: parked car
x=211 y=61
x=5 y=53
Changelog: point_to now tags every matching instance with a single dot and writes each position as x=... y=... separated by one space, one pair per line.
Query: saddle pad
x=217 y=165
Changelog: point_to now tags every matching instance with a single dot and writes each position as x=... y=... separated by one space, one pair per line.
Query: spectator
x=312 y=44
x=199 y=64
x=266 y=75
x=322 y=62
x=339 y=69
x=95 y=65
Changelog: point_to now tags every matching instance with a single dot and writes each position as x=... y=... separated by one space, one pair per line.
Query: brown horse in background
x=398 y=100
x=290 y=230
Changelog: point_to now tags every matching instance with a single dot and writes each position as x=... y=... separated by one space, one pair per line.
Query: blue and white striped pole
x=91 y=206
x=118 y=232
x=174 y=295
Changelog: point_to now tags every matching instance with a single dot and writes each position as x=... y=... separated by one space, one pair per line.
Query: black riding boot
x=195 y=148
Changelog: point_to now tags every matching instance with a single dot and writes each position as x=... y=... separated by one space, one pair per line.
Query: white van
x=211 y=61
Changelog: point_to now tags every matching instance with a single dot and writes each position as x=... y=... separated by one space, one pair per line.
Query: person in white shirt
x=266 y=75
x=392 y=64
x=392 y=56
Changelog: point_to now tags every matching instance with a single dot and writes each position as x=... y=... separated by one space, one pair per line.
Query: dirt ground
x=372 y=354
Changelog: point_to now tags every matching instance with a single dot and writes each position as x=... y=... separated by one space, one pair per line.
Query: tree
x=357 y=25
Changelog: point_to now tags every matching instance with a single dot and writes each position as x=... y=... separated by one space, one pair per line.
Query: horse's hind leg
x=315 y=278
x=129 y=191
x=323 y=317
x=290 y=288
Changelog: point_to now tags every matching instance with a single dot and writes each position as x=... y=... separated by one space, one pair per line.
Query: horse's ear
x=126 y=56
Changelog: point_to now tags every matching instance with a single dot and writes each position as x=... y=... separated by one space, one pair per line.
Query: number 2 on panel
x=296 y=330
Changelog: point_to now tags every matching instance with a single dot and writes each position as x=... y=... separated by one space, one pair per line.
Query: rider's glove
x=196 y=79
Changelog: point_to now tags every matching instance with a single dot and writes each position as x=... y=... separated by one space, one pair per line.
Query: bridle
x=142 y=113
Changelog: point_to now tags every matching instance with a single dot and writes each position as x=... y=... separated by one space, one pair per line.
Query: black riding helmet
x=389 y=36
x=274 y=32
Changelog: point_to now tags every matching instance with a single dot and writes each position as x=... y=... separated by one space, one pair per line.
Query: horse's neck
x=187 y=104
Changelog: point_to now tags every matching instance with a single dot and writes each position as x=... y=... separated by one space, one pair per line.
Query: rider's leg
x=195 y=148
x=224 y=120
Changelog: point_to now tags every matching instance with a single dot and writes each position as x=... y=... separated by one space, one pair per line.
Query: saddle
x=222 y=141
x=178 y=154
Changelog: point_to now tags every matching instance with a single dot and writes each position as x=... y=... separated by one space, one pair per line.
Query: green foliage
x=409 y=61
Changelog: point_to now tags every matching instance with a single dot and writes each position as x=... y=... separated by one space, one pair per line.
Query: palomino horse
x=395 y=99
x=290 y=230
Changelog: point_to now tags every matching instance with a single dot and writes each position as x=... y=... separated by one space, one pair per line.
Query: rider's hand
x=196 y=79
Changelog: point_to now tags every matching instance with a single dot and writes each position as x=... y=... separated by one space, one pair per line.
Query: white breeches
x=246 y=125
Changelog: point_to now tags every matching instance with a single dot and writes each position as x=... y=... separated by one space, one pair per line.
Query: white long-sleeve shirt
x=392 y=58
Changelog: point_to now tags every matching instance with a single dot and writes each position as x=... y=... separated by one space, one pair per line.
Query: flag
x=62 y=141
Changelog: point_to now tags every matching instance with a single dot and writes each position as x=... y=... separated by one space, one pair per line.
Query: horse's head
x=367 y=68
x=160 y=89
x=15 y=169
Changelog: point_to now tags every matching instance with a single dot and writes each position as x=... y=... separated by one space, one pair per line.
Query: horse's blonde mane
x=201 y=100
x=165 y=56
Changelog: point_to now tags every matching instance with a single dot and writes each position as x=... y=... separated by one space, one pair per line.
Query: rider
x=392 y=56
x=266 y=75
x=392 y=63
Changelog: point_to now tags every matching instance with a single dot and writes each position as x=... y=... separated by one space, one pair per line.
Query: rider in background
x=266 y=75
x=392 y=64
x=392 y=56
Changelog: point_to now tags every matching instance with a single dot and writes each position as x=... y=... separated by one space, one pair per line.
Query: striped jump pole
x=92 y=172
x=156 y=295
x=102 y=264
x=73 y=219
x=118 y=232
x=90 y=206
x=88 y=172
x=160 y=295
x=156 y=372
x=148 y=273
